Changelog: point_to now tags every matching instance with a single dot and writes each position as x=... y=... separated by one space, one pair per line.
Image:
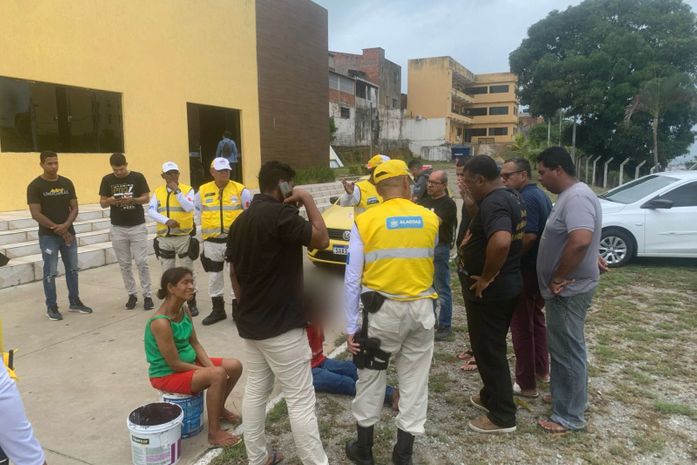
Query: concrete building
x=448 y=104
x=373 y=67
x=353 y=108
x=158 y=80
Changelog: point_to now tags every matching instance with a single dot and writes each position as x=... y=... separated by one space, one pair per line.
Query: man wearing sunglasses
x=528 y=323
x=439 y=202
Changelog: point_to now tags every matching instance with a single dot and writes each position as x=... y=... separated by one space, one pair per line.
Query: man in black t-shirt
x=442 y=205
x=490 y=262
x=125 y=192
x=265 y=251
x=53 y=204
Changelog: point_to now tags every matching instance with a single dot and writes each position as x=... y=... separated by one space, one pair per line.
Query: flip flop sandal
x=469 y=366
x=551 y=427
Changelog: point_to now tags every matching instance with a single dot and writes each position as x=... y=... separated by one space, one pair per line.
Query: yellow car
x=339 y=221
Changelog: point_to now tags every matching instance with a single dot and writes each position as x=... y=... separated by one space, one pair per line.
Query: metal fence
x=610 y=173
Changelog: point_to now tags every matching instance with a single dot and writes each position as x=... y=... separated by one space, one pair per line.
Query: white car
x=653 y=216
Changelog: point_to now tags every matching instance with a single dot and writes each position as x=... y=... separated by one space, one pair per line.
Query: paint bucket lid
x=155 y=416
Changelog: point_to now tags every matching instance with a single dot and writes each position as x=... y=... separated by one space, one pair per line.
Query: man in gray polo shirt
x=568 y=271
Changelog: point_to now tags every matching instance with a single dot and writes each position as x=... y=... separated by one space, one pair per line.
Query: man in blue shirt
x=528 y=329
x=228 y=149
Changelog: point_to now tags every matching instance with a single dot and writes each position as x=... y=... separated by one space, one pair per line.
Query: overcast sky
x=479 y=34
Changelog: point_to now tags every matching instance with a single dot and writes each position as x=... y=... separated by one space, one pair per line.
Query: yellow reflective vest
x=369 y=196
x=219 y=208
x=399 y=238
x=169 y=206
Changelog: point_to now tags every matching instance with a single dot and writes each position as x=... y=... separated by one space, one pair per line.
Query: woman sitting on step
x=178 y=362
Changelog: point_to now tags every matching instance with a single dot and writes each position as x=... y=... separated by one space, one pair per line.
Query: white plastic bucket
x=192 y=405
x=155 y=431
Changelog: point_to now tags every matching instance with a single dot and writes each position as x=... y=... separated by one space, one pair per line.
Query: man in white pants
x=265 y=251
x=218 y=204
x=17 y=440
x=125 y=192
x=172 y=207
x=390 y=266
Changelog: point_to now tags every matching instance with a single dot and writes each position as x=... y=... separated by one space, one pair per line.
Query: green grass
x=673 y=408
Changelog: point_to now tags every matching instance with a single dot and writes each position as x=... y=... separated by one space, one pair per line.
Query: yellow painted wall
x=508 y=99
x=429 y=83
x=160 y=54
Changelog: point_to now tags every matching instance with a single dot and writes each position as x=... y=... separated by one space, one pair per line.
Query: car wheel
x=616 y=247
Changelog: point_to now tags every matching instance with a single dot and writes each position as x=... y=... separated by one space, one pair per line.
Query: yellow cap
x=377 y=160
x=390 y=169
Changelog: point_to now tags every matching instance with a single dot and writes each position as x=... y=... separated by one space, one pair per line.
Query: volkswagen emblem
x=346 y=235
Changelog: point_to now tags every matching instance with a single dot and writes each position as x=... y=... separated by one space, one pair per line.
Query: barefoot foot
x=223 y=438
x=230 y=417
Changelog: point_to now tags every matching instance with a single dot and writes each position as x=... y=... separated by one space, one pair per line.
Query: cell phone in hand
x=286 y=190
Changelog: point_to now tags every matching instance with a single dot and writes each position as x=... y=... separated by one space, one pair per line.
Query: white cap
x=221 y=164
x=169 y=166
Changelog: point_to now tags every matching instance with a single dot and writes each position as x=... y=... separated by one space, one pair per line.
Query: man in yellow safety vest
x=390 y=267
x=362 y=195
x=172 y=208
x=218 y=204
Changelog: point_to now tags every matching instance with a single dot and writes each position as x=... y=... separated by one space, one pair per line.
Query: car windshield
x=637 y=189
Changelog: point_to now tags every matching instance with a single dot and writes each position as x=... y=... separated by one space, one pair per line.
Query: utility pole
x=549 y=131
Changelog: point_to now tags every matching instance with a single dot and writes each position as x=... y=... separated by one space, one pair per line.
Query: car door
x=673 y=231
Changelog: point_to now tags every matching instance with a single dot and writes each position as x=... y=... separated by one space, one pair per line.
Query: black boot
x=401 y=454
x=218 y=313
x=360 y=451
x=192 y=306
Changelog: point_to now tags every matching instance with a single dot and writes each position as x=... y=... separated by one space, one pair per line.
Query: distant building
x=448 y=104
x=373 y=67
x=353 y=107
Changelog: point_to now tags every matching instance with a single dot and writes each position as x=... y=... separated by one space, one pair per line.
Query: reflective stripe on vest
x=398 y=242
x=369 y=197
x=219 y=210
x=169 y=206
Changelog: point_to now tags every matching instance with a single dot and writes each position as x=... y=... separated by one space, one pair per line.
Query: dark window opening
x=345 y=112
x=361 y=89
x=498 y=110
x=476 y=111
x=474 y=132
x=500 y=89
x=36 y=116
x=498 y=131
x=476 y=90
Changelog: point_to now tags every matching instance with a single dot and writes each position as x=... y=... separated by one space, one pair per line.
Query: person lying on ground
x=338 y=376
x=178 y=362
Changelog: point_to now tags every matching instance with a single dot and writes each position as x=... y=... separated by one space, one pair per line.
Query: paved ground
x=81 y=377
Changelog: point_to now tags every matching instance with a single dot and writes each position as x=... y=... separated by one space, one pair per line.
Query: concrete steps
x=19 y=239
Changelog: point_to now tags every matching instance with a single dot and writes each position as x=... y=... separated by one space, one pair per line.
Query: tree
x=591 y=60
x=657 y=96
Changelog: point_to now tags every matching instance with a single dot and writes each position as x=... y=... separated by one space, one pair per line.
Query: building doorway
x=206 y=127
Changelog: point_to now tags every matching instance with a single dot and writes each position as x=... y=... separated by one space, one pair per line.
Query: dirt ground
x=643 y=401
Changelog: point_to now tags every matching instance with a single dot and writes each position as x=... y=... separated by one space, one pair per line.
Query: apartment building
x=452 y=105
x=353 y=107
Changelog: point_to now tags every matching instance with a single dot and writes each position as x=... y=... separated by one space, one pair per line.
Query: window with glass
x=36 y=116
x=498 y=111
x=477 y=90
x=499 y=89
x=683 y=196
x=637 y=189
x=498 y=131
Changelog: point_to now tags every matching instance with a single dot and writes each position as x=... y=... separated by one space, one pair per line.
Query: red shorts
x=180 y=382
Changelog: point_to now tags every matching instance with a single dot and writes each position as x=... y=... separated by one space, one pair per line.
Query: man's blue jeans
x=51 y=245
x=441 y=262
x=339 y=377
x=569 y=362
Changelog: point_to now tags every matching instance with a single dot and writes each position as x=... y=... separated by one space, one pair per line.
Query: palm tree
x=657 y=96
